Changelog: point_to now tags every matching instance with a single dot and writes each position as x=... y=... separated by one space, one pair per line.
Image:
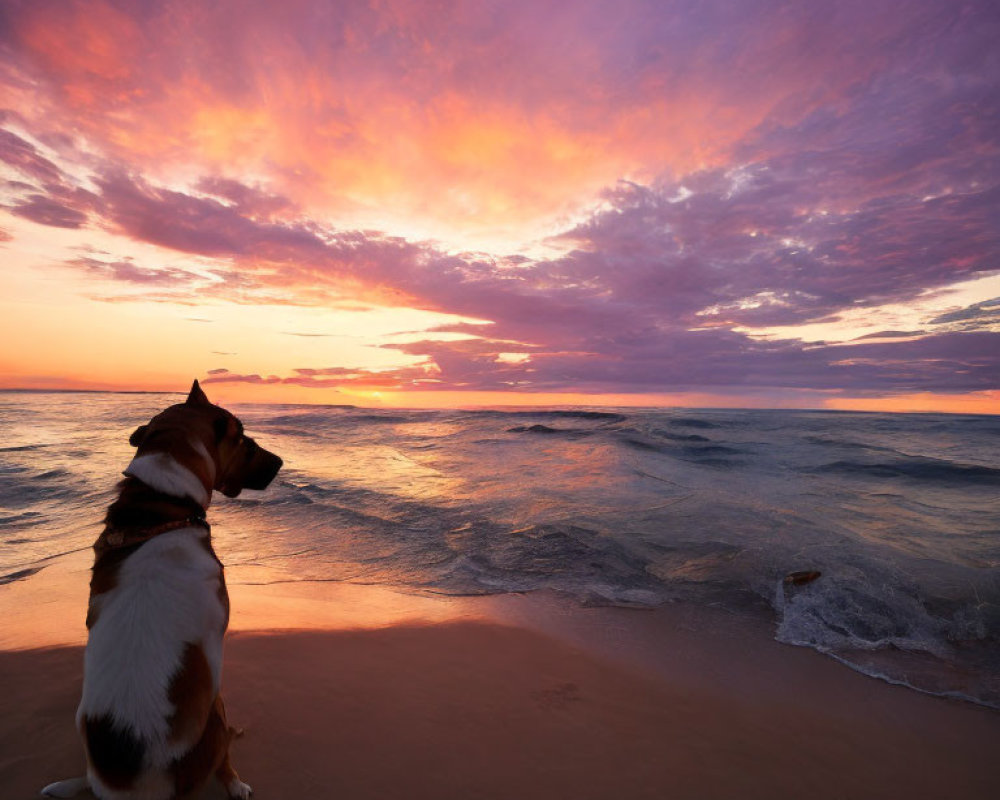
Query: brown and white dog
x=151 y=717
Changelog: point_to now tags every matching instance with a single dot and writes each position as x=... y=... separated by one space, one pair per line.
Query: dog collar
x=112 y=537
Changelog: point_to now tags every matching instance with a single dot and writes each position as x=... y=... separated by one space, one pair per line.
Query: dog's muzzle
x=262 y=468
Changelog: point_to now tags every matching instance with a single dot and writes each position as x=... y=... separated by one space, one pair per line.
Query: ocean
x=900 y=514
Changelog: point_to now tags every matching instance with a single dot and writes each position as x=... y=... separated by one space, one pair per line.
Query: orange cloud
x=483 y=131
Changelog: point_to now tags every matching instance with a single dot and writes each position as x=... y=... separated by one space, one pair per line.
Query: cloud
x=648 y=297
x=46 y=211
x=250 y=201
x=128 y=272
x=702 y=172
x=890 y=335
x=45 y=196
x=378 y=111
x=188 y=223
x=984 y=315
x=225 y=376
x=25 y=158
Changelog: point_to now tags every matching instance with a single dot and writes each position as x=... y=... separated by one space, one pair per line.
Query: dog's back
x=152 y=664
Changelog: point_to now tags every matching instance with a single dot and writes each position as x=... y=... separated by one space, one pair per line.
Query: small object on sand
x=801 y=578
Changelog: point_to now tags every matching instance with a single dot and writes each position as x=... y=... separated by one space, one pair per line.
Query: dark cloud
x=188 y=223
x=890 y=335
x=251 y=201
x=225 y=376
x=25 y=158
x=127 y=272
x=978 y=315
x=46 y=211
x=418 y=377
x=46 y=196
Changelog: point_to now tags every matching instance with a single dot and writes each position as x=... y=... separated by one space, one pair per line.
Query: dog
x=151 y=717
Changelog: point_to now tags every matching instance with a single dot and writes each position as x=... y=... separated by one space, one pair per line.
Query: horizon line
x=524 y=408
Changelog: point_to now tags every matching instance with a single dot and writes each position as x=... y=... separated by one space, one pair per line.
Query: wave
x=883 y=628
x=846 y=444
x=21 y=518
x=711 y=449
x=52 y=474
x=641 y=444
x=681 y=437
x=920 y=469
x=606 y=416
x=693 y=422
x=545 y=429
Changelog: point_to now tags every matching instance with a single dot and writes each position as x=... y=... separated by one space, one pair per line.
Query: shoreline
x=47 y=609
x=362 y=691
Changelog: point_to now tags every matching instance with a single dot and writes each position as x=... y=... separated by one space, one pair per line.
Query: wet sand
x=393 y=696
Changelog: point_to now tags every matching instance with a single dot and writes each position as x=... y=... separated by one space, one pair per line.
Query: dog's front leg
x=235 y=788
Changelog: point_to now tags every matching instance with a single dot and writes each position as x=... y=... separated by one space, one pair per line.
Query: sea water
x=900 y=514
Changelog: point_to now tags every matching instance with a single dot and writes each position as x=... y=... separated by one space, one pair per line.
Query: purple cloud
x=250 y=201
x=647 y=298
x=225 y=376
x=128 y=272
x=25 y=158
x=974 y=317
x=46 y=211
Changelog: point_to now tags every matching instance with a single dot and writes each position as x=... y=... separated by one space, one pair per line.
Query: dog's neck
x=142 y=512
x=142 y=505
x=160 y=471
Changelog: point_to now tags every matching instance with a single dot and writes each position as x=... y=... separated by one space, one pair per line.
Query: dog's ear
x=197 y=396
x=138 y=435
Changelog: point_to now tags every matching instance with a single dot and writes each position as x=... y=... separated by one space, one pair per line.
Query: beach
x=361 y=692
x=548 y=604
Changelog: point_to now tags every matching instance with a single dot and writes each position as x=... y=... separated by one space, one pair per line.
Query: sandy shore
x=526 y=698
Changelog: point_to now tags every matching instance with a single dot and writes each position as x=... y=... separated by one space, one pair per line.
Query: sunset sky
x=705 y=203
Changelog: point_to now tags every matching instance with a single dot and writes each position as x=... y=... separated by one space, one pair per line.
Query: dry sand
x=519 y=698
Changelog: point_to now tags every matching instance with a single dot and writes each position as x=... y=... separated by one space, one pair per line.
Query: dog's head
x=208 y=442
